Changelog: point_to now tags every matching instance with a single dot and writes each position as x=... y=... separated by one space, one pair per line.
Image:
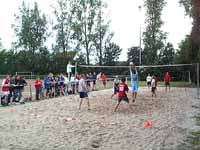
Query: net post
x=189 y=80
x=31 y=95
x=198 y=80
x=76 y=65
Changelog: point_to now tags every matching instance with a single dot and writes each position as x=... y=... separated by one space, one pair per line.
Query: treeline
x=81 y=33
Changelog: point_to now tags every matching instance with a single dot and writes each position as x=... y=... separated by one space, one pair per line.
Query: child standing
x=83 y=91
x=38 y=88
x=153 y=86
x=123 y=89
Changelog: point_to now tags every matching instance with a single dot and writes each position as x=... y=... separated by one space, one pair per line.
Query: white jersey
x=82 y=86
x=153 y=83
x=148 y=79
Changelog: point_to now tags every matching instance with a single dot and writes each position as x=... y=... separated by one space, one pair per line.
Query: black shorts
x=149 y=83
x=153 y=89
x=83 y=94
x=125 y=98
x=167 y=83
x=116 y=90
x=94 y=82
x=104 y=82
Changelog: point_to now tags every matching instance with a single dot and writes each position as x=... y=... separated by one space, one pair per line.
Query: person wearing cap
x=134 y=80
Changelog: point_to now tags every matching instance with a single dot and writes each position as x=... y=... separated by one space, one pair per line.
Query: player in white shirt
x=82 y=87
x=153 y=86
x=69 y=70
x=148 y=79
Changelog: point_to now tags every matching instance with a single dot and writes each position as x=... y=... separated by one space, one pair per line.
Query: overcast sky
x=125 y=21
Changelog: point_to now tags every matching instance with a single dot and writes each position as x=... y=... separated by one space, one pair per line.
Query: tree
x=80 y=58
x=31 y=31
x=192 y=8
x=31 y=28
x=84 y=25
x=153 y=36
x=103 y=34
x=167 y=55
x=183 y=54
x=111 y=54
x=65 y=13
x=133 y=55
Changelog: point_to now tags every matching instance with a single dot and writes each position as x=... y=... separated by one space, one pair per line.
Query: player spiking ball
x=134 y=81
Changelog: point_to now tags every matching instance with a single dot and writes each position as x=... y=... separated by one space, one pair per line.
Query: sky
x=125 y=21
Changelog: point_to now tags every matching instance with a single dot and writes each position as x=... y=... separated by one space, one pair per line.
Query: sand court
x=57 y=124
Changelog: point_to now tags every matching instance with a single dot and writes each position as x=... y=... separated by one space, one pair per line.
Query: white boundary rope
x=145 y=66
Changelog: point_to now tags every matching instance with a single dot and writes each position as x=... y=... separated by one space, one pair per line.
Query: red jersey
x=167 y=78
x=103 y=77
x=38 y=84
x=123 y=88
x=5 y=87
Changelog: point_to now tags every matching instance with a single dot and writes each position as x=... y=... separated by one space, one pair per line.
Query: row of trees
x=82 y=33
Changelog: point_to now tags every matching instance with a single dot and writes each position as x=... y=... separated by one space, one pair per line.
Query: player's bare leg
x=116 y=106
x=88 y=104
x=130 y=107
x=80 y=104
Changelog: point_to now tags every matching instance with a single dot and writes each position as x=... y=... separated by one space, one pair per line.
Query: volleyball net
x=182 y=75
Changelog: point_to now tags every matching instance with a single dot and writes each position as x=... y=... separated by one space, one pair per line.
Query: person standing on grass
x=122 y=94
x=83 y=91
x=153 y=86
x=167 y=80
x=148 y=80
x=104 y=80
x=134 y=81
x=94 y=78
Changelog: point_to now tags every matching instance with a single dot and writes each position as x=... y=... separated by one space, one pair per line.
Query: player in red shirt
x=167 y=80
x=123 y=89
x=104 y=79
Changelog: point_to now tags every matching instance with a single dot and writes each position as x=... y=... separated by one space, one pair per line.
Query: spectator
x=38 y=88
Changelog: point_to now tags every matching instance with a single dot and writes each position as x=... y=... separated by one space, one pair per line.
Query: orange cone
x=147 y=124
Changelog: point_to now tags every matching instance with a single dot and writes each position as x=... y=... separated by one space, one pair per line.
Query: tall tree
x=103 y=34
x=183 y=54
x=192 y=8
x=31 y=31
x=153 y=36
x=111 y=54
x=167 y=54
x=31 y=28
x=65 y=13
x=133 y=55
x=84 y=26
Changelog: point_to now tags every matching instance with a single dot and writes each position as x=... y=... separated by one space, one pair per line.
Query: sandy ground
x=57 y=124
